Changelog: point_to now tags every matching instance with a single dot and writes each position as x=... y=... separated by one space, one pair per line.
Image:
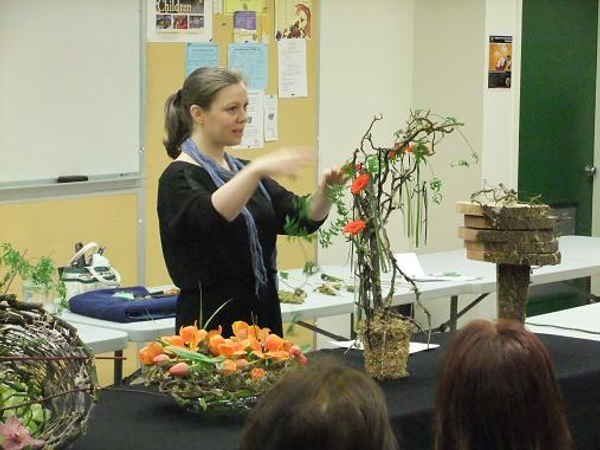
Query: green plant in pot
x=41 y=280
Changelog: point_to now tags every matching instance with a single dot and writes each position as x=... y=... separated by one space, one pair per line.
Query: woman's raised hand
x=331 y=176
x=287 y=162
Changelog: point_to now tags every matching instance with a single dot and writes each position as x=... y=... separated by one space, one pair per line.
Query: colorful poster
x=250 y=59
x=500 y=62
x=200 y=55
x=179 y=20
x=232 y=6
x=244 y=26
x=293 y=19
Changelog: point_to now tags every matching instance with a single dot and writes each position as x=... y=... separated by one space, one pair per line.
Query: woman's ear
x=197 y=114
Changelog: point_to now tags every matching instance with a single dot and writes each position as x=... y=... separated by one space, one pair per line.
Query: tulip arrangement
x=203 y=370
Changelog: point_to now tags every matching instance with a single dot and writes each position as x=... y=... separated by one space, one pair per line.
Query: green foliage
x=15 y=392
x=336 y=195
x=310 y=268
x=41 y=272
x=296 y=226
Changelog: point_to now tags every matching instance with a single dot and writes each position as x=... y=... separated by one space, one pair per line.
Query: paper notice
x=292 y=68
x=271 y=118
x=253 y=133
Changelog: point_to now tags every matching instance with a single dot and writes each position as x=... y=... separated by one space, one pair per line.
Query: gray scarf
x=220 y=176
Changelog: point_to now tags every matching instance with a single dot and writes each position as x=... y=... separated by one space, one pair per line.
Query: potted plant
x=388 y=180
x=41 y=280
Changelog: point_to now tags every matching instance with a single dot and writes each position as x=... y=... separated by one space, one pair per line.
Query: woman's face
x=224 y=122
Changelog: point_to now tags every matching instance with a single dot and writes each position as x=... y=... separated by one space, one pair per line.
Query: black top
x=201 y=248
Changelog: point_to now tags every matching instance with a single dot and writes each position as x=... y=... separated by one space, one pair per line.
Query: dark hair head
x=200 y=88
x=497 y=391
x=323 y=406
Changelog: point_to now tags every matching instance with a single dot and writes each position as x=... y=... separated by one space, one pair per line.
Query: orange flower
x=273 y=343
x=227 y=367
x=354 y=227
x=240 y=329
x=214 y=342
x=257 y=373
x=175 y=341
x=279 y=355
x=146 y=354
x=360 y=183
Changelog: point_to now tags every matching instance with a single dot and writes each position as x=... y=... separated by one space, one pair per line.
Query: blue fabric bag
x=131 y=304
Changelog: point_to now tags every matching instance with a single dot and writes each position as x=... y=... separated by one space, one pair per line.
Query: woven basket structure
x=68 y=386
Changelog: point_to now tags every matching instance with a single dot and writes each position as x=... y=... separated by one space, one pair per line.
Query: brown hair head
x=497 y=391
x=324 y=406
x=200 y=88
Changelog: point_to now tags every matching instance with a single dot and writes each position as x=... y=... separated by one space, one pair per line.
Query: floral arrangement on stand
x=206 y=372
x=385 y=180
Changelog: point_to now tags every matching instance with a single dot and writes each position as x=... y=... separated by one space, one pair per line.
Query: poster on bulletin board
x=500 y=62
x=179 y=20
x=232 y=6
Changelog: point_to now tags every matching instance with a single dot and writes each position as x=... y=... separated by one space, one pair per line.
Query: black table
x=135 y=420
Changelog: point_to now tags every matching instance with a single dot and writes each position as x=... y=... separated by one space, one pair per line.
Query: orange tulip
x=188 y=334
x=279 y=355
x=257 y=373
x=273 y=343
x=175 y=341
x=262 y=334
x=147 y=354
x=226 y=350
x=240 y=329
x=215 y=332
x=227 y=367
x=214 y=342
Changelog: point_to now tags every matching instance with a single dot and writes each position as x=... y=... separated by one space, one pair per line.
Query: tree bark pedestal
x=513 y=285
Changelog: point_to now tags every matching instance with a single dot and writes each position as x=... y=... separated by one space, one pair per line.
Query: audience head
x=497 y=391
x=322 y=406
x=200 y=88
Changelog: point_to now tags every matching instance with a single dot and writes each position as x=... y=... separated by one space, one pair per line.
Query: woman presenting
x=219 y=216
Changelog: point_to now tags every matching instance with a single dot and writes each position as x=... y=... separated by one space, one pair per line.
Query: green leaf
x=194 y=356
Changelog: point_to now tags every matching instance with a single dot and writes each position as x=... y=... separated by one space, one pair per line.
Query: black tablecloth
x=136 y=420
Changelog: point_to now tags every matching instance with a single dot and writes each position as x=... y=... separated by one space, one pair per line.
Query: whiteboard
x=69 y=89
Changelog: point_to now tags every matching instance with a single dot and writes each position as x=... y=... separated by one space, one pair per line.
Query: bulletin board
x=297 y=124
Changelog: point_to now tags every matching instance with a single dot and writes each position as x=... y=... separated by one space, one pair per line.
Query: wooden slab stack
x=514 y=237
x=518 y=234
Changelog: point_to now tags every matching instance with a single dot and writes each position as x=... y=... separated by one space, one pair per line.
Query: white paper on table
x=253 y=133
x=292 y=68
x=410 y=265
x=414 y=347
x=271 y=118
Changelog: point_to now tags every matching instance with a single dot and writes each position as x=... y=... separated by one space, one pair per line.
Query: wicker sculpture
x=45 y=354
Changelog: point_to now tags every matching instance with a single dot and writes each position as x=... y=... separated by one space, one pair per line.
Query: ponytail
x=177 y=125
